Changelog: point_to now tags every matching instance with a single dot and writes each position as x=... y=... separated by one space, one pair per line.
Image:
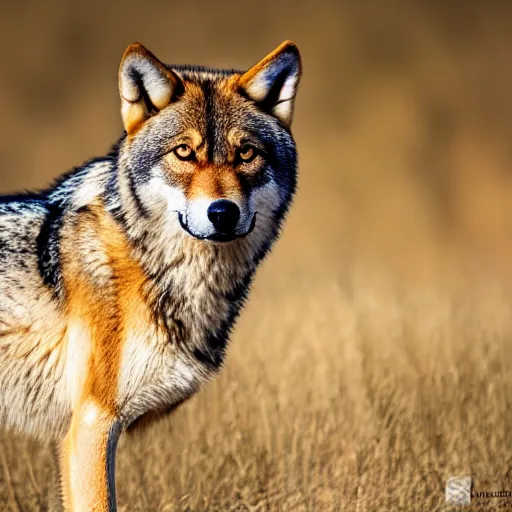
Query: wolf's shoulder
x=25 y=218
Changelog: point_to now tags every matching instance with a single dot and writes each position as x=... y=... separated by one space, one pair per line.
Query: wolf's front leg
x=88 y=460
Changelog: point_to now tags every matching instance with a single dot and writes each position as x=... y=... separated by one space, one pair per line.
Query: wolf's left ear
x=146 y=86
x=272 y=83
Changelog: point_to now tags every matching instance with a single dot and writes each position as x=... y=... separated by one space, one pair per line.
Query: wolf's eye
x=184 y=152
x=246 y=154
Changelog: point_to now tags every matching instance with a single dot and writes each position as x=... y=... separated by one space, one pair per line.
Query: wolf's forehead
x=212 y=106
x=209 y=94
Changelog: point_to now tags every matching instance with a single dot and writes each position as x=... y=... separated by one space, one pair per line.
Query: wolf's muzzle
x=224 y=215
x=217 y=237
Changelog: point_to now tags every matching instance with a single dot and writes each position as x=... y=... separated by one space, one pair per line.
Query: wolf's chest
x=166 y=357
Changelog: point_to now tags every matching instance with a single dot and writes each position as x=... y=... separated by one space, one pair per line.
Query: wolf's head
x=209 y=151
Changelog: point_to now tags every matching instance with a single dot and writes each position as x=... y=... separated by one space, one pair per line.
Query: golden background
x=373 y=359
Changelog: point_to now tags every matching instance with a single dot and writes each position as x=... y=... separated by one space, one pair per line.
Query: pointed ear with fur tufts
x=272 y=83
x=146 y=86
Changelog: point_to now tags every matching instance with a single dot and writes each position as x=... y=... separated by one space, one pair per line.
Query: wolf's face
x=210 y=151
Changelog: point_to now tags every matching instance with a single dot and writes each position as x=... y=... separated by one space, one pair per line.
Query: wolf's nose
x=224 y=215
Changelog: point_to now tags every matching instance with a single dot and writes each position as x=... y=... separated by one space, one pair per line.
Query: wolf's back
x=20 y=224
x=29 y=321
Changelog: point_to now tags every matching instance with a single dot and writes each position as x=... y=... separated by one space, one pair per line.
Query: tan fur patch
x=84 y=459
x=215 y=183
x=107 y=308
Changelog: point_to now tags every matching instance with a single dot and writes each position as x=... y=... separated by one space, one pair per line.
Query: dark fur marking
x=166 y=313
x=48 y=254
x=210 y=116
x=212 y=353
x=112 y=198
x=135 y=196
x=113 y=437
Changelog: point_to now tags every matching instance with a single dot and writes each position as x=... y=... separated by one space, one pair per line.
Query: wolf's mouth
x=217 y=237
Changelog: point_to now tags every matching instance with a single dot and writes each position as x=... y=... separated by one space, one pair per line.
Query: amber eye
x=246 y=154
x=184 y=152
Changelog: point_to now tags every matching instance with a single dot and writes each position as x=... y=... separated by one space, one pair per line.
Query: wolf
x=120 y=284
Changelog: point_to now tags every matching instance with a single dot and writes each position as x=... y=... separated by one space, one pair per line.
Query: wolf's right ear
x=146 y=86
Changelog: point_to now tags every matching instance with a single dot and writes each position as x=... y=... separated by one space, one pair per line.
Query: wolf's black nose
x=224 y=215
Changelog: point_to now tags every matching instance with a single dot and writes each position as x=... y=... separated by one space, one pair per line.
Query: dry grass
x=373 y=360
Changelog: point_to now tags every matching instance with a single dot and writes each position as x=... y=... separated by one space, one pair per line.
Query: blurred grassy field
x=373 y=359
